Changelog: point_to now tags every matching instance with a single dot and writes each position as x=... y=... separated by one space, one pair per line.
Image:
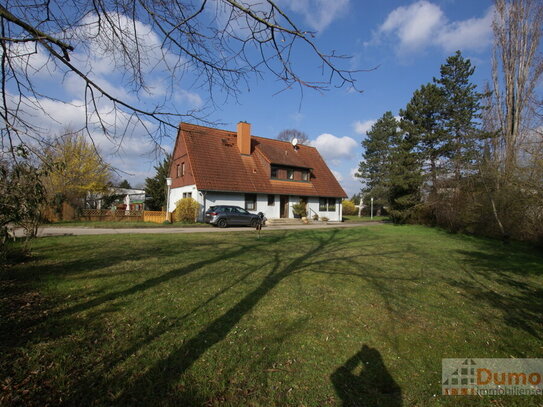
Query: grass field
x=355 y=218
x=359 y=316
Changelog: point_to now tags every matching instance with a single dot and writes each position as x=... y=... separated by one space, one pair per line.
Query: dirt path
x=72 y=231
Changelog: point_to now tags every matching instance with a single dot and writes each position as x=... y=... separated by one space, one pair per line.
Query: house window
x=271 y=200
x=180 y=169
x=274 y=172
x=305 y=175
x=327 y=204
x=290 y=173
x=323 y=204
x=187 y=194
x=250 y=202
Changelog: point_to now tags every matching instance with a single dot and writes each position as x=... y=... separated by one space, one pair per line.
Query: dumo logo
x=492 y=376
x=487 y=376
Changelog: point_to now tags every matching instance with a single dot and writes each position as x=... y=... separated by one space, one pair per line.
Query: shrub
x=166 y=222
x=300 y=209
x=315 y=217
x=186 y=210
x=324 y=219
x=348 y=207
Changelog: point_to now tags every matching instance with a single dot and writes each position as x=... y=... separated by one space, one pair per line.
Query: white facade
x=207 y=199
x=129 y=196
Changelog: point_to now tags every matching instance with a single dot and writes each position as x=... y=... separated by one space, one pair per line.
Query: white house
x=219 y=167
x=130 y=199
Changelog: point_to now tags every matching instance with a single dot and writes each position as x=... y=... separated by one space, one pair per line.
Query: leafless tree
x=210 y=45
x=512 y=172
x=291 y=134
x=516 y=71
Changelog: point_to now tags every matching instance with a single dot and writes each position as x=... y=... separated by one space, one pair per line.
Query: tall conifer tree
x=374 y=169
x=460 y=113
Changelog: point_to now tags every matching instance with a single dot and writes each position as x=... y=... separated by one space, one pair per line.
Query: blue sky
x=405 y=41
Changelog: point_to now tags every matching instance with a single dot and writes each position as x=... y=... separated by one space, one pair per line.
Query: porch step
x=283 y=221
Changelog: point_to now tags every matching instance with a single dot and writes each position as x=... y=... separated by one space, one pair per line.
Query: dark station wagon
x=225 y=215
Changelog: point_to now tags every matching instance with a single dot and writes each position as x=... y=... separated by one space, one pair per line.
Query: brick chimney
x=244 y=138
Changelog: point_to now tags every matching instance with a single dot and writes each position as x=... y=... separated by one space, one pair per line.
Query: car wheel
x=253 y=223
x=222 y=223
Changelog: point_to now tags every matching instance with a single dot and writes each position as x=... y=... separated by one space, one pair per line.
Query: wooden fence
x=111 y=215
x=154 y=216
x=96 y=215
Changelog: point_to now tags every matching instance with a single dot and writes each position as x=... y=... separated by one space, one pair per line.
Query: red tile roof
x=217 y=164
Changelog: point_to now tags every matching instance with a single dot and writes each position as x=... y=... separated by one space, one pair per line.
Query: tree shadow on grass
x=160 y=383
x=233 y=252
x=373 y=386
x=44 y=324
x=508 y=281
x=156 y=383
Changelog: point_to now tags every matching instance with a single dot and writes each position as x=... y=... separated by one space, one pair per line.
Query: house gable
x=213 y=162
x=181 y=171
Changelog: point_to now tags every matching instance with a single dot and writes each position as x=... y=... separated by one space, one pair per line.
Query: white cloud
x=363 y=127
x=135 y=45
x=348 y=181
x=338 y=175
x=335 y=149
x=424 y=24
x=353 y=172
x=194 y=100
x=319 y=14
x=32 y=60
x=128 y=147
x=474 y=33
x=413 y=24
x=99 y=54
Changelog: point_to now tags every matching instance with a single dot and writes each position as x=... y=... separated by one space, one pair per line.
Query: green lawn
x=356 y=218
x=122 y=224
x=329 y=317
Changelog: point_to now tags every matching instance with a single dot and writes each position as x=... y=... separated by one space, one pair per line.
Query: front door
x=283 y=206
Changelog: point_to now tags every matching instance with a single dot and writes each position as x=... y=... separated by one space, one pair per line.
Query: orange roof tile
x=217 y=164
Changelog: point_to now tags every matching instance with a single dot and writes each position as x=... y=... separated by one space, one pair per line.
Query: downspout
x=204 y=193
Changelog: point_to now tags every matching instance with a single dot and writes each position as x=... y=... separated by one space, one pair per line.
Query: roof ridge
x=234 y=133
x=281 y=141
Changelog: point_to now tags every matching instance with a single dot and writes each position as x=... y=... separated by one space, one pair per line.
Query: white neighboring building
x=132 y=199
x=219 y=167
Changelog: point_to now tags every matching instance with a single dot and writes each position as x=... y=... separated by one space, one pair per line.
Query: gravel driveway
x=72 y=231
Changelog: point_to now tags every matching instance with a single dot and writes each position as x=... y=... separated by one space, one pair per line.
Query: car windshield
x=240 y=210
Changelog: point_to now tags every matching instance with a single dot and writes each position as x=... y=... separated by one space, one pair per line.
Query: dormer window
x=180 y=169
x=282 y=172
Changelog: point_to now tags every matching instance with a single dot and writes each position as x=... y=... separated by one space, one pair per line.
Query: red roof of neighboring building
x=216 y=164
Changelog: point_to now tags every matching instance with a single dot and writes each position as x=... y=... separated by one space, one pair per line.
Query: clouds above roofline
x=423 y=24
x=335 y=149
x=318 y=14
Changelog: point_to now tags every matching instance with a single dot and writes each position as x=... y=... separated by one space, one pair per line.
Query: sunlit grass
x=308 y=317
